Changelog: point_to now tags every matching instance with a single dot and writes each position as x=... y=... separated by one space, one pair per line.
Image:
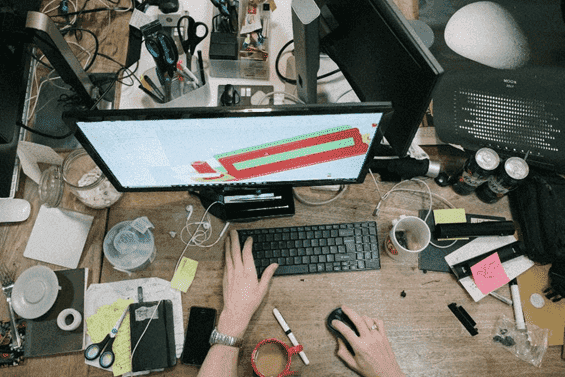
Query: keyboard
x=315 y=248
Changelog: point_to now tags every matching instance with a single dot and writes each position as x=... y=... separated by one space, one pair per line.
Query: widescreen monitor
x=215 y=151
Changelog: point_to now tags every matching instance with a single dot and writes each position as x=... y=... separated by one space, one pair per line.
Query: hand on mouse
x=373 y=353
x=243 y=292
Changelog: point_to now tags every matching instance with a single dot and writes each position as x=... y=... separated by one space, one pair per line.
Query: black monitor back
x=383 y=59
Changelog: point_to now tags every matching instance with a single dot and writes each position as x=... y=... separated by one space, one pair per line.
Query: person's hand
x=243 y=292
x=373 y=353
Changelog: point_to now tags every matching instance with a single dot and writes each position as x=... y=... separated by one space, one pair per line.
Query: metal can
x=476 y=171
x=515 y=170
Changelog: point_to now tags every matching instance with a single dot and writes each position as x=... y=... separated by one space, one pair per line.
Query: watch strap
x=218 y=338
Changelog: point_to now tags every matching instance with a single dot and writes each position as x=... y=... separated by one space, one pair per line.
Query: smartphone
x=201 y=322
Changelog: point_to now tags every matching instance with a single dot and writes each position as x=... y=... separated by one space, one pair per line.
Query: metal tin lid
x=516 y=168
x=487 y=159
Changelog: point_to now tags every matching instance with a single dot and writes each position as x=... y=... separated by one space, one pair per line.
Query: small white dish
x=35 y=292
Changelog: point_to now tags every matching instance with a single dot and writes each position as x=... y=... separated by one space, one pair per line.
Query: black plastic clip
x=464 y=318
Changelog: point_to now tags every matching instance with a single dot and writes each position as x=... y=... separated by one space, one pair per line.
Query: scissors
x=195 y=33
x=162 y=48
x=104 y=348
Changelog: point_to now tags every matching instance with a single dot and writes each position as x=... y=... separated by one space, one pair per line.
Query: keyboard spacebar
x=291 y=270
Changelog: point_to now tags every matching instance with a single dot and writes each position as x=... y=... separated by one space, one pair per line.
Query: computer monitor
x=378 y=52
x=245 y=160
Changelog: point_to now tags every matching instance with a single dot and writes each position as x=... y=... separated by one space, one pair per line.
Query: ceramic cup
x=272 y=358
x=407 y=238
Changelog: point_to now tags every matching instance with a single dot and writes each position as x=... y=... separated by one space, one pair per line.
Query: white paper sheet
x=58 y=236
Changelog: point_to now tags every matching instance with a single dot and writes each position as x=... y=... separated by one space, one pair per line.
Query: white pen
x=290 y=335
x=517 y=303
x=187 y=72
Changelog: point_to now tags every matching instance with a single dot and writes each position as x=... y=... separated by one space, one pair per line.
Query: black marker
x=201 y=66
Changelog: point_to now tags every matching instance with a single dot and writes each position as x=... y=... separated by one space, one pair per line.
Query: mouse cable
x=291 y=81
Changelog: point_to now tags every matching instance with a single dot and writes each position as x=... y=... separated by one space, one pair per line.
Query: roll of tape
x=62 y=319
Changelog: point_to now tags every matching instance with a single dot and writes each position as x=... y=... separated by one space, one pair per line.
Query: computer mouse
x=14 y=210
x=341 y=316
x=230 y=96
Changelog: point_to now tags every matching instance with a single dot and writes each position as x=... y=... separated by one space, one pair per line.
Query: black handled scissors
x=195 y=33
x=104 y=348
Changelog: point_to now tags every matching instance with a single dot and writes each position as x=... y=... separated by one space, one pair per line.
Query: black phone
x=201 y=322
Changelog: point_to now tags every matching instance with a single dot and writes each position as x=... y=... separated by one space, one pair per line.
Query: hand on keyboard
x=243 y=292
x=316 y=248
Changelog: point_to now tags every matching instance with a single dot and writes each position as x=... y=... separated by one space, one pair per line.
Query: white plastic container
x=129 y=247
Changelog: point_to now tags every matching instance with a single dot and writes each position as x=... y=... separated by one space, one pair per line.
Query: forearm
x=220 y=361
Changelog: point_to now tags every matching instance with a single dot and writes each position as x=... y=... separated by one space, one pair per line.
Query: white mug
x=407 y=238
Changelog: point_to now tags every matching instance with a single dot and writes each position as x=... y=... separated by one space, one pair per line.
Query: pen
x=154 y=87
x=517 y=304
x=184 y=69
x=289 y=333
x=150 y=94
x=201 y=67
x=501 y=298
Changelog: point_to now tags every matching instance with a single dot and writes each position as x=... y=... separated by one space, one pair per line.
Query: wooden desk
x=426 y=337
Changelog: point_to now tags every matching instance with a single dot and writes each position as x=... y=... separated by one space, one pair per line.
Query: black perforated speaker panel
x=514 y=112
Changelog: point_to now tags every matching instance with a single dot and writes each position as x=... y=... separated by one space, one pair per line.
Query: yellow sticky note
x=100 y=324
x=184 y=275
x=450 y=216
x=122 y=349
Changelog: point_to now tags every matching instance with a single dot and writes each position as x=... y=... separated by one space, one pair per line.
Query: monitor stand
x=247 y=204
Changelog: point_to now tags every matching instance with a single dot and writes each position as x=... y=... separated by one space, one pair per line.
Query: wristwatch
x=226 y=340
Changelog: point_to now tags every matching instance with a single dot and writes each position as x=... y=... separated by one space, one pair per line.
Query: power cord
x=291 y=81
x=302 y=200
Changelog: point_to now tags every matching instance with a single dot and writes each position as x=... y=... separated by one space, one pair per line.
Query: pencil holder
x=183 y=92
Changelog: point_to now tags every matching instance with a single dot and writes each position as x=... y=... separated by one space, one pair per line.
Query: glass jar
x=83 y=178
x=51 y=186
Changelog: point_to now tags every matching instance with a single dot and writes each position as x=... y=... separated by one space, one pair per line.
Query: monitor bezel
x=72 y=118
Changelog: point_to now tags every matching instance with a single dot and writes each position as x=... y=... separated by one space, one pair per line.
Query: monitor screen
x=176 y=149
x=383 y=59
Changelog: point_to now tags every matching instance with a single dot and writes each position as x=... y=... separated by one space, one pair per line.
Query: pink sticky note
x=489 y=274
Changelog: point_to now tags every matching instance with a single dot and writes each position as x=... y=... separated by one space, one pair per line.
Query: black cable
x=291 y=81
x=101 y=96
x=96 y=46
x=57 y=137
x=123 y=67
x=94 y=10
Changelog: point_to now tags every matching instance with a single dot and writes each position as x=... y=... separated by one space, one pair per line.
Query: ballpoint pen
x=290 y=335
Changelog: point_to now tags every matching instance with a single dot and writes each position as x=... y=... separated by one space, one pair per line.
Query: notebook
x=152 y=335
